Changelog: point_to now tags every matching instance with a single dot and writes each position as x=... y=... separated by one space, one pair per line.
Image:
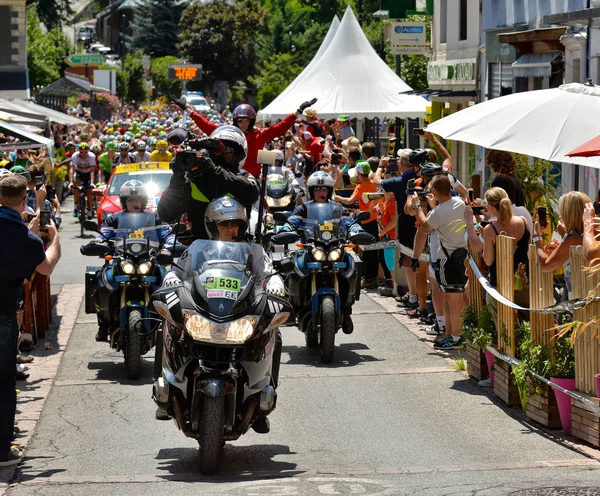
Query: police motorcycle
x=119 y=291
x=326 y=278
x=220 y=358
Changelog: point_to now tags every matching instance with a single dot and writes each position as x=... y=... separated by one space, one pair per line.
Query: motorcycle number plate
x=226 y=283
x=137 y=234
x=327 y=226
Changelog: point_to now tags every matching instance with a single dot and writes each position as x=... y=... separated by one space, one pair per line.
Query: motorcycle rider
x=134 y=199
x=244 y=118
x=320 y=190
x=217 y=174
x=226 y=219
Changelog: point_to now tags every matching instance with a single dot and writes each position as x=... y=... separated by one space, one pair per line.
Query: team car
x=154 y=175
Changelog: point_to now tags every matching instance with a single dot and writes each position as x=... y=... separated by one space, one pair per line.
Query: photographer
x=203 y=176
x=19 y=258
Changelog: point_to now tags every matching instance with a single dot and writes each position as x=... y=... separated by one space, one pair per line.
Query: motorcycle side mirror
x=280 y=217
x=178 y=250
x=361 y=238
x=285 y=238
x=284 y=265
x=298 y=174
x=362 y=216
x=179 y=229
x=90 y=225
x=95 y=250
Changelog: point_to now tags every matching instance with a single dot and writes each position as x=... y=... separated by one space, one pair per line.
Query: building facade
x=13 y=56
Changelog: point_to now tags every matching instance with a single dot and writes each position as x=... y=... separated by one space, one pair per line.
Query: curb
x=43 y=371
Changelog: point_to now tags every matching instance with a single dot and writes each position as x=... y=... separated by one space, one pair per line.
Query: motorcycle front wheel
x=133 y=350
x=212 y=421
x=327 y=329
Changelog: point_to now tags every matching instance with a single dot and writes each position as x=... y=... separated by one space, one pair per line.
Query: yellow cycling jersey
x=158 y=156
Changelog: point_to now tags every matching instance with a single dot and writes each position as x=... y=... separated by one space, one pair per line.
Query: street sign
x=84 y=59
x=409 y=38
x=186 y=72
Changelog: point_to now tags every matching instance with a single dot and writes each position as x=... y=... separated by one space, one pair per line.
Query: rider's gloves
x=70 y=186
x=414 y=265
x=305 y=105
x=180 y=102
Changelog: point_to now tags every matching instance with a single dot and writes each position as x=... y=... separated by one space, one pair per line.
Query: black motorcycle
x=326 y=280
x=119 y=291
x=222 y=346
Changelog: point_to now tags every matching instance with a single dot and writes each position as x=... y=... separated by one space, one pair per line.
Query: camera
x=477 y=210
x=412 y=188
x=392 y=169
x=418 y=131
x=392 y=160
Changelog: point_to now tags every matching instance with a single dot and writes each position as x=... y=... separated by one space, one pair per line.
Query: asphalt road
x=389 y=416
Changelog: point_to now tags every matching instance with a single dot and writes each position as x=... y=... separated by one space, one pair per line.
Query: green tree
x=159 y=70
x=52 y=13
x=156 y=24
x=221 y=36
x=274 y=77
x=46 y=51
x=133 y=73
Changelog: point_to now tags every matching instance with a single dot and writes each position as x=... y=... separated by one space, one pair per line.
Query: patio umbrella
x=590 y=148
x=546 y=124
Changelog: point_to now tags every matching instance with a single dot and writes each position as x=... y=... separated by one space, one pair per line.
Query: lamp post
x=123 y=20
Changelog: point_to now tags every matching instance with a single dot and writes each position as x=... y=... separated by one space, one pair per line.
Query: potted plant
x=486 y=335
x=562 y=373
x=60 y=176
x=476 y=362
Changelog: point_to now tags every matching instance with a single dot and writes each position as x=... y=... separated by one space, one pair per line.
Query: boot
x=347 y=324
x=102 y=334
x=261 y=425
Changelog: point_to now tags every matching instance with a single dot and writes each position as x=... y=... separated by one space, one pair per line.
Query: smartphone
x=392 y=160
x=39 y=182
x=597 y=208
x=471 y=195
x=392 y=169
x=477 y=210
x=541 y=211
x=44 y=219
x=417 y=131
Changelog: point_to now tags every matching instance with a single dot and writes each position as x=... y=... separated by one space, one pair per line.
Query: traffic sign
x=409 y=38
x=186 y=72
x=84 y=59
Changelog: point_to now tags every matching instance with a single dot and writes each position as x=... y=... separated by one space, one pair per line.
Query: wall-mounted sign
x=186 y=72
x=409 y=38
x=83 y=59
x=452 y=72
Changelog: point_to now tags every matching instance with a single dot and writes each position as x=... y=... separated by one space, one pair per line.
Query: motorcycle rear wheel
x=133 y=349
x=212 y=421
x=327 y=329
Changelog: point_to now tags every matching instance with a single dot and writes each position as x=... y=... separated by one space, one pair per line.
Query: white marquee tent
x=348 y=78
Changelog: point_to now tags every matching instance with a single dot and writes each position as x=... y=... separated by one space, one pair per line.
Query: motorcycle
x=221 y=345
x=120 y=290
x=326 y=280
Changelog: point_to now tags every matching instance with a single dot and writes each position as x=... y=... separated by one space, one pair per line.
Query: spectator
x=365 y=185
x=570 y=228
x=343 y=127
x=505 y=163
x=18 y=260
x=507 y=183
x=313 y=125
x=446 y=218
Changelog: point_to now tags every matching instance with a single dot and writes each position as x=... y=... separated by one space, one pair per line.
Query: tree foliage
x=131 y=85
x=52 y=13
x=157 y=26
x=275 y=75
x=46 y=51
x=221 y=36
x=159 y=70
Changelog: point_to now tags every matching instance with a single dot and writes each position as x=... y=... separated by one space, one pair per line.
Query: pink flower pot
x=564 y=402
x=597 y=379
x=489 y=359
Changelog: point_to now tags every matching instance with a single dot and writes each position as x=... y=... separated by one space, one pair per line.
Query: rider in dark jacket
x=216 y=175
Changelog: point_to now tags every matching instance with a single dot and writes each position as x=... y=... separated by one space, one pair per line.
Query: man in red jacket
x=244 y=118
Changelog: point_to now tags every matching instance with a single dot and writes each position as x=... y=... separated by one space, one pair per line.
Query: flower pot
x=489 y=358
x=597 y=379
x=564 y=402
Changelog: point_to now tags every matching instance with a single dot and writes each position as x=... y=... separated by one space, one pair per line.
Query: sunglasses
x=243 y=119
x=318 y=189
x=229 y=149
x=133 y=199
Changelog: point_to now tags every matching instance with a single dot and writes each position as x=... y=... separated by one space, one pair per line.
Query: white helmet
x=225 y=209
x=232 y=138
x=320 y=178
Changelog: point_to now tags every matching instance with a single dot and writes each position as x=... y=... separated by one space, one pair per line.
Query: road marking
x=314 y=476
x=365 y=373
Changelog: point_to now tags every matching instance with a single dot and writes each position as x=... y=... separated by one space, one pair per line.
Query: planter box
x=504 y=385
x=476 y=365
x=585 y=425
x=543 y=408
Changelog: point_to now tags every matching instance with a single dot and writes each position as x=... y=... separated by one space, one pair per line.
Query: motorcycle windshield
x=322 y=222
x=219 y=273
x=137 y=232
x=277 y=183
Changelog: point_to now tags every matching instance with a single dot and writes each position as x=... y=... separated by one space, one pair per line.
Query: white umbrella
x=546 y=124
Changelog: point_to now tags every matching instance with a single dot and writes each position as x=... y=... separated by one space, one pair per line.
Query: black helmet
x=429 y=169
x=418 y=156
x=247 y=111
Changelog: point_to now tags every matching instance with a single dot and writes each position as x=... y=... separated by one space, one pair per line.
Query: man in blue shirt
x=21 y=253
x=406 y=227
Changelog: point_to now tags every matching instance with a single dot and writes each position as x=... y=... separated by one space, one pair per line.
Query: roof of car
x=142 y=166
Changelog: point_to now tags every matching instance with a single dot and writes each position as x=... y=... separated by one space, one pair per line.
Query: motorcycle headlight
x=236 y=332
x=334 y=255
x=318 y=255
x=127 y=267
x=144 y=268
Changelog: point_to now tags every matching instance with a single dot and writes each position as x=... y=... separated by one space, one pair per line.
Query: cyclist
x=82 y=171
x=162 y=153
x=124 y=156
x=141 y=155
x=106 y=160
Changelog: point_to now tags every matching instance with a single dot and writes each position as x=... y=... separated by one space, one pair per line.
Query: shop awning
x=535 y=64
x=24 y=135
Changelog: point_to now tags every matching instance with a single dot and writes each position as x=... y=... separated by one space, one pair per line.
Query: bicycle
x=83 y=210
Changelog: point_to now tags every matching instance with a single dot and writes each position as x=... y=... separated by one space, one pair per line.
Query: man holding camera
x=199 y=177
x=19 y=258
